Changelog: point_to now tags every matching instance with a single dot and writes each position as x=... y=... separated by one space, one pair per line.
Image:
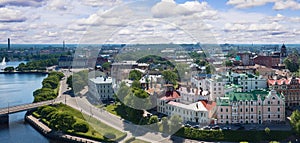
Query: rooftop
x=101 y=80
x=243 y=96
x=197 y=106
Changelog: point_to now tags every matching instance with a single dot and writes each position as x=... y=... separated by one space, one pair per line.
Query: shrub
x=110 y=135
x=80 y=127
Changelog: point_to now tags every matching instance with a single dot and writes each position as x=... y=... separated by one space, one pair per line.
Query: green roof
x=242 y=96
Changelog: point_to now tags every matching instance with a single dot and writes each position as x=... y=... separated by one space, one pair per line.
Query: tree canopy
x=135 y=75
x=170 y=77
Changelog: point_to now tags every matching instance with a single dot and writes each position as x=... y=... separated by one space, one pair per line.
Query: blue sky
x=150 y=21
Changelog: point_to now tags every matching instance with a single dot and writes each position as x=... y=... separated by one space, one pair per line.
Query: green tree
x=170 y=77
x=123 y=91
x=80 y=127
x=175 y=123
x=291 y=66
x=47 y=110
x=9 y=69
x=153 y=119
x=228 y=63
x=267 y=130
x=165 y=124
x=63 y=122
x=295 y=121
x=106 y=66
x=136 y=84
x=135 y=75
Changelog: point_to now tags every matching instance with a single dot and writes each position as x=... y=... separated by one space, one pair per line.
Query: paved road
x=140 y=132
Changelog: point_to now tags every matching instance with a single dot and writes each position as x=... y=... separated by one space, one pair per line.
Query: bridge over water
x=4 y=112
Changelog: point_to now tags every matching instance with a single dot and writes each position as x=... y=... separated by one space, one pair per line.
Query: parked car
x=187 y=125
x=226 y=128
x=216 y=127
x=206 y=128
x=196 y=126
x=240 y=128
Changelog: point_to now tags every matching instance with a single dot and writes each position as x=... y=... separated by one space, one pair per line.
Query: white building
x=101 y=88
x=189 y=104
x=247 y=81
x=214 y=85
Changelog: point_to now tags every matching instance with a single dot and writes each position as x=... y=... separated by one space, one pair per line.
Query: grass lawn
x=135 y=140
x=97 y=129
x=120 y=110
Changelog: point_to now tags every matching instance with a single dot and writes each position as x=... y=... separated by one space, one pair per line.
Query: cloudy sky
x=150 y=21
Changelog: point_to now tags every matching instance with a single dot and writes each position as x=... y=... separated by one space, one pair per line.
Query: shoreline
x=19 y=72
x=53 y=135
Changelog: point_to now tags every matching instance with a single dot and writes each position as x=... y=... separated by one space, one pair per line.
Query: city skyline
x=166 y=21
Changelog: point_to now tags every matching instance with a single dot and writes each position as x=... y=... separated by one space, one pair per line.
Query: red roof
x=209 y=105
x=171 y=95
x=280 y=81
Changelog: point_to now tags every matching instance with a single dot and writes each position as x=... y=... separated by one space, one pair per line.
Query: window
x=246 y=102
x=256 y=82
x=246 y=109
x=269 y=116
x=268 y=102
x=278 y=109
x=278 y=102
x=278 y=116
x=226 y=109
x=226 y=116
x=269 y=109
x=251 y=109
x=221 y=109
x=221 y=116
x=241 y=110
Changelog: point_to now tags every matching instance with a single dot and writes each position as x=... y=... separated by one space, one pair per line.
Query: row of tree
x=61 y=121
x=78 y=81
x=40 y=65
x=49 y=90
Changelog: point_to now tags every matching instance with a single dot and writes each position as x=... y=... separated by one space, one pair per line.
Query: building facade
x=101 y=88
x=251 y=107
x=247 y=81
x=289 y=87
x=189 y=105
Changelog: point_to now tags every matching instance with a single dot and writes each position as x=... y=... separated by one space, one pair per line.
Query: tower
x=63 y=45
x=8 y=44
x=283 y=52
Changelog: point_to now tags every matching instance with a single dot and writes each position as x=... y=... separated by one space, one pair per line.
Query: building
x=251 y=107
x=101 y=88
x=268 y=61
x=246 y=58
x=247 y=81
x=8 y=44
x=176 y=102
x=121 y=70
x=213 y=84
x=289 y=87
x=283 y=51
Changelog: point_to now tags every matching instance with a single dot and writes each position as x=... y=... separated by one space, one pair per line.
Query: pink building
x=251 y=107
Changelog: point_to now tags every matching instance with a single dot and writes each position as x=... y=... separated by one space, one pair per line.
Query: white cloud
x=288 y=4
x=248 y=3
x=168 y=8
x=59 y=4
x=11 y=15
x=101 y=3
x=25 y=3
x=278 y=4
